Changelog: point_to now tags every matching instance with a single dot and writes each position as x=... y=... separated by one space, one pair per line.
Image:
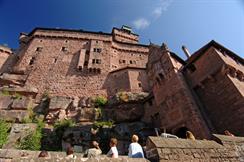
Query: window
x=161 y=76
x=86 y=63
x=32 y=61
x=55 y=60
x=98 y=50
x=87 y=52
x=123 y=61
x=66 y=41
x=80 y=68
x=64 y=49
x=139 y=84
x=99 y=71
x=98 y=61
x=131 y=62
x=134 y=62
x=39 y=49
x=93 y=61
x=96 y=41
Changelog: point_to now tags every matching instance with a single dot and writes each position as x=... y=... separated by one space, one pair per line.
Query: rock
x=18 y=131
x=82 y=102
x=61 y=115
x=86 y=114
x=59 y=102
x=125 y=112
x=5 y=102
x=122 y=97
x=13 y=115
x=75 y=102
x=22 y=104
x=13 y=78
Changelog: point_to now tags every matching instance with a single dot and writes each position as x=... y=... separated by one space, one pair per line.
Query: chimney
x=187 y=53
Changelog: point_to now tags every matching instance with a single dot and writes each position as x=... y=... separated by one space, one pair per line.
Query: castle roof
x=194 y=57
x=83 y=31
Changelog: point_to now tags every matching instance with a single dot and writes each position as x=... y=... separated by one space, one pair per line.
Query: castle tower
x=176 y=108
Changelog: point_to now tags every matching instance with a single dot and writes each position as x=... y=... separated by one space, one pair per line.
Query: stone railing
x=11 y=155
x=165 y=149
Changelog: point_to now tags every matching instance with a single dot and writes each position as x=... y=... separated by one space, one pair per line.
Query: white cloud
x=157 y=12
x=141 y=23
x=163 y=6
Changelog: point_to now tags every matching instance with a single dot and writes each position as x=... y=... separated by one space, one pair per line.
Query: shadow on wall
x=8 y=64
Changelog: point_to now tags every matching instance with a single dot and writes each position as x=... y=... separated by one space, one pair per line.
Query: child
x=135 y=149
x=113 y=152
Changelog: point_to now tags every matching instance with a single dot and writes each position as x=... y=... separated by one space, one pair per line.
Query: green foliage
x=4 y=132
x=31 y=117
x=17 y=96
x=100 y=101
x=98 y=124
x=33 y=140
x=4 y=92
x=46 y=95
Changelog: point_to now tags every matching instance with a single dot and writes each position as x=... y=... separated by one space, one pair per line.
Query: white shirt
x=113 y=151
x=135 y=150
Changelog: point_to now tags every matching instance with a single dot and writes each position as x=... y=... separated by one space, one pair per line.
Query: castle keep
x=203 y=94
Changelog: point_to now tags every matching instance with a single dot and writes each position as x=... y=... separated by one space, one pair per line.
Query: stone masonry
x=203 y=94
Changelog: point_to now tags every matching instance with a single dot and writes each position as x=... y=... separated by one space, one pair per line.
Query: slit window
x=32 y=61
x=39 y=49
x=64 y=49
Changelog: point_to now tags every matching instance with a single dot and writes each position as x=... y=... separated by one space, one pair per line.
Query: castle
x=203 y=94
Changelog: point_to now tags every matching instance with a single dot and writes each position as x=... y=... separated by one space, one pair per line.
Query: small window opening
x=39 y=49
x=64 y=49
x=32 y=61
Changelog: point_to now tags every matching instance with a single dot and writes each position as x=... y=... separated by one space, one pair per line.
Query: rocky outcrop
x=14 y=108
x=18 y=132
x=15 y=79
x=126 y=112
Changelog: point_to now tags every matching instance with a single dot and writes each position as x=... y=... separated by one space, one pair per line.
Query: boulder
x=5 y=102
x=125 y=112
x=22 y=104
x=124 y=97
x=13 y=115
x=18 y=131
x=59 y=102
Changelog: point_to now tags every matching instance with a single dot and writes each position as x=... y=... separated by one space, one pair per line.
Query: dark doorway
x=181 y=132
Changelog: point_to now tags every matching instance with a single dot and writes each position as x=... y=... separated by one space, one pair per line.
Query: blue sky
x=176 y=22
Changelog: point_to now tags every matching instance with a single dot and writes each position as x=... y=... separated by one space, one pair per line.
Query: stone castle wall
x=75 y=64
x=163 y=149
x=176 y=106
x=220 y=91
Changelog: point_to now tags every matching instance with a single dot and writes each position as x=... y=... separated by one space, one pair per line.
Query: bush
x=33 y=140
x=100 y=101
x=4 y=132
x=98 y=124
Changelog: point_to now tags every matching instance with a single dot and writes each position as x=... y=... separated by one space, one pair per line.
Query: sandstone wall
x=67 y=63
x=5 y=57
x=177 y=109
x=220 y=91
x=163 y=149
